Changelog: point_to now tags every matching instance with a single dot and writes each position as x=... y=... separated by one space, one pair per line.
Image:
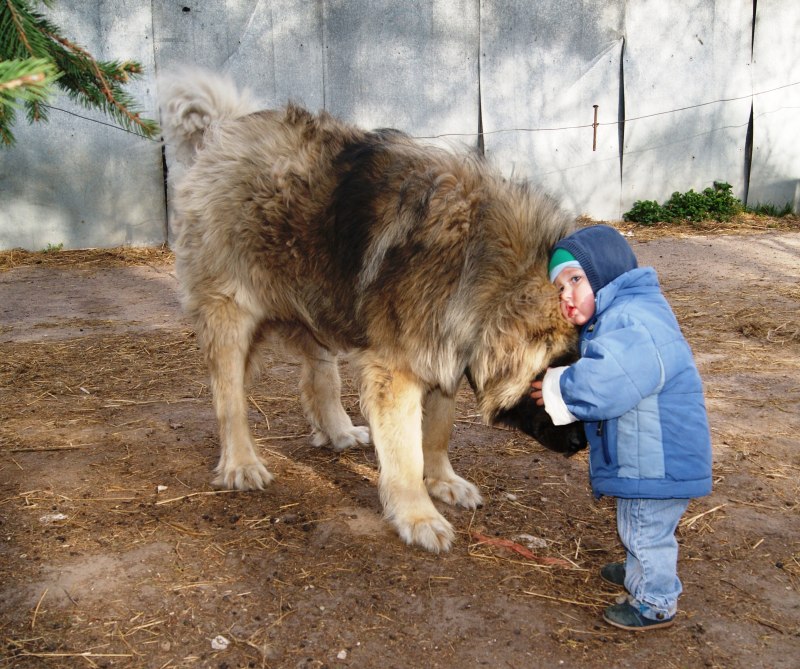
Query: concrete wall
x=542 y=72
x=674 y=82
x=681 y=56
x=79 y=183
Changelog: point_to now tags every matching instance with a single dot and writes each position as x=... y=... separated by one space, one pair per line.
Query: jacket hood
x=602 y=253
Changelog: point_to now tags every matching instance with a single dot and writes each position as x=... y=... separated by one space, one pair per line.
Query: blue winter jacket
x=638 y=391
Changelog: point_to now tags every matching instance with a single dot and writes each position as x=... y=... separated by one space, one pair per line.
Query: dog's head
x=526 y=335
x=534 y=421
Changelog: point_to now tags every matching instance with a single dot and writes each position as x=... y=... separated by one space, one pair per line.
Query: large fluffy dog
x=418 y=262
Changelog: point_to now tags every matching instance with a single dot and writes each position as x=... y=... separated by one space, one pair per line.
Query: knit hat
x=603 y=254
x=559 y=261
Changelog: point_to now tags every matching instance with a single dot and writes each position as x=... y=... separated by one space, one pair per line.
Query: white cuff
x=551 y=394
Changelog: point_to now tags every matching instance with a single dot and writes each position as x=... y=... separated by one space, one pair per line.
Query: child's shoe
x=626 y=616
x=614 y=573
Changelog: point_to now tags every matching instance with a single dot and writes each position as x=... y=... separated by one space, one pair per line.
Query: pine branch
x=26 y=35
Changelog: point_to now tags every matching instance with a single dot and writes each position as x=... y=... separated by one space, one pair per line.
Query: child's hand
x=536 y=393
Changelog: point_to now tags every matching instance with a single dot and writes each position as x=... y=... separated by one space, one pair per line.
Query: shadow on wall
x=65 y=185
x=768 y=182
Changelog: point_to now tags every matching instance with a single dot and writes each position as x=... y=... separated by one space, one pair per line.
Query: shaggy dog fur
x=418 y=262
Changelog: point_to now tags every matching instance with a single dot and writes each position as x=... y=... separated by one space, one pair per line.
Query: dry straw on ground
x=124 y=255
x=122 y=555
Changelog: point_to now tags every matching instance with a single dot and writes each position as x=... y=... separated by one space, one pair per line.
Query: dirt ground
x=115 y=551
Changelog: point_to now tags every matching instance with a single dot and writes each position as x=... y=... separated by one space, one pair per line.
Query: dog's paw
x=433 y=532
x=319 y=438
x=250 y=476
x=344 y=440
x=455 y=491
x=358 y=434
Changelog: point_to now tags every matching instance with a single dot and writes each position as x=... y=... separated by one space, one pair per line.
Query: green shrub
x=645 y=212
x=715 y=203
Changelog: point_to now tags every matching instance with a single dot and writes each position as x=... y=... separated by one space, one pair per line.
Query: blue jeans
x=647 y=530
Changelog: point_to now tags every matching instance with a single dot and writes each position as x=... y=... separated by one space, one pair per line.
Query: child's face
x=575 y=295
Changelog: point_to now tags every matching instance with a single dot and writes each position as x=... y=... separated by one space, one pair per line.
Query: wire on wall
x=594 y=125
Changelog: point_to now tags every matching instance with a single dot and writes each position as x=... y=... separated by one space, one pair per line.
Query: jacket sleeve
x=551 y=394
x=616 y=371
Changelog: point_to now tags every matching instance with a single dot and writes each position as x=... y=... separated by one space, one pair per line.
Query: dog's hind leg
x=392 y=402
x=442 y=482
x=320 y=395
x=226 y=337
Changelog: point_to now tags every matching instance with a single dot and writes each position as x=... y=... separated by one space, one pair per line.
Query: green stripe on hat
x=559 y=257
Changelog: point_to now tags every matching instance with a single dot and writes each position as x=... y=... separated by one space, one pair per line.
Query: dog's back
x=250 y=211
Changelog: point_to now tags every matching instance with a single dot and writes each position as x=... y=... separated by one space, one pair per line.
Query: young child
x=639 y=394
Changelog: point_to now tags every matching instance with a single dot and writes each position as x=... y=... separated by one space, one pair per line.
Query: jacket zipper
x=604 y=441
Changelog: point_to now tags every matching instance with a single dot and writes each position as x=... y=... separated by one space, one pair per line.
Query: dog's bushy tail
x=192 y=100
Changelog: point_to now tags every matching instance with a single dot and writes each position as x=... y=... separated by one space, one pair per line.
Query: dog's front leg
x=392 y=403
x=440 y=478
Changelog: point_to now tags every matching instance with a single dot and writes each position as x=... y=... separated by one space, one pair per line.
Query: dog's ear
x=521 y=333
x=561 y=361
